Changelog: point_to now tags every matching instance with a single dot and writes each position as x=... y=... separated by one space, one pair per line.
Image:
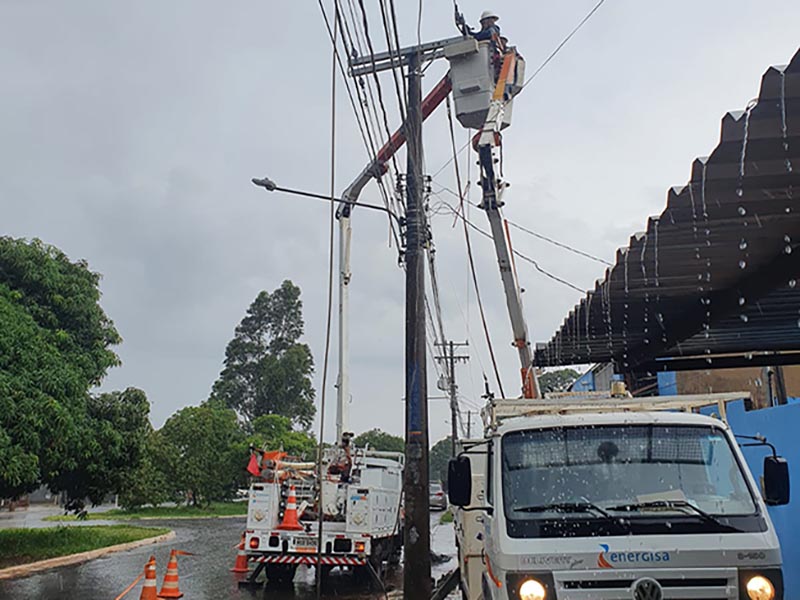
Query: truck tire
x=281 y=575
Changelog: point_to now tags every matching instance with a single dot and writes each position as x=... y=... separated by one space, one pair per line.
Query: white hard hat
x=488 y=14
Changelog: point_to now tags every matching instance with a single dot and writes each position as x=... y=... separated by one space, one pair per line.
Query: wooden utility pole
x=449 y=358
x=417 y=568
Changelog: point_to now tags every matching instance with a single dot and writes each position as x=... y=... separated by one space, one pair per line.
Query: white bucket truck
x=598 y=497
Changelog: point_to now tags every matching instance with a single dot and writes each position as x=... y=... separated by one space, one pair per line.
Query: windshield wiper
x=570 y=507
x=672 y=505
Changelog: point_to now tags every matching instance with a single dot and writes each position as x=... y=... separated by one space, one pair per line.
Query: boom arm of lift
x=373 y=170
x=488 y=145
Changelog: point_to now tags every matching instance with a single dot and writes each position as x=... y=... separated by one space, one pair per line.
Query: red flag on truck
x=253 y=466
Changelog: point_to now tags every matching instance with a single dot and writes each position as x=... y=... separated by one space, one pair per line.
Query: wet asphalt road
x=202 y=577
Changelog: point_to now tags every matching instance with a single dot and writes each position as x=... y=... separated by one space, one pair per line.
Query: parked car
x=438 y=499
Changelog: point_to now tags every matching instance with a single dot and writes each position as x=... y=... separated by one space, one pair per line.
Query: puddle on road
x=204 y=576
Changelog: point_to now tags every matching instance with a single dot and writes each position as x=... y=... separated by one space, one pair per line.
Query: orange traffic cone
x=169 y=589
x=149 y=587
x=240 y=566
x=290 y=520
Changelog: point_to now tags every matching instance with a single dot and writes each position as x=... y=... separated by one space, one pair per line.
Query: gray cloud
x=129 y=133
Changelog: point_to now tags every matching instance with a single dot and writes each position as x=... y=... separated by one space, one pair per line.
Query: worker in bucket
x=489 y=28
x=491 y=32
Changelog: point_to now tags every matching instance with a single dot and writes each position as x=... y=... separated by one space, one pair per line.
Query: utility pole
x=449 y=358
x=417 y=568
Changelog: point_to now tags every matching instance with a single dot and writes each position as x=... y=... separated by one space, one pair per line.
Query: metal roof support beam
x=722 y=304
x=738 y=361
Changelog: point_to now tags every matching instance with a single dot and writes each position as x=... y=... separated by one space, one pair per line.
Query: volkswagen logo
x=647 y=589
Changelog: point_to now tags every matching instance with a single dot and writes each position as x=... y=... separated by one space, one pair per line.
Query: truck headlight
x=760 y=588
x=531 y=589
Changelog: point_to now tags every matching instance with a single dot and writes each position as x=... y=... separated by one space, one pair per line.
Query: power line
x=560 y=244
x=329 y=315
x=563 y=43
x=535 y=73
x=519 y=254
x=366 y=133
x=470 y=257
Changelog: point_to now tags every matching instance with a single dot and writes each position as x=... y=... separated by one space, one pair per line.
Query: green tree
x=55 y=343
x=275 y=432
x=558 y=381
x=439 y=458
x=110 y=447
x=267 y=371
x=380 y=440
x=148 y=482
x=203 y=453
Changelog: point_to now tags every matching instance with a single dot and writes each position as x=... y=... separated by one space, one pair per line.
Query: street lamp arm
x=271 y=186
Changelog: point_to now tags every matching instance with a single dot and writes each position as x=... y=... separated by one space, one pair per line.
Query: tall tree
x=275 y=432
x=203 y=451
x=55 y=343
x=267 y=371
x=380 y=440
x=110 y=447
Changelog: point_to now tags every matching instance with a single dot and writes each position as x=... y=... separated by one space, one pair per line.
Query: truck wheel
x=282 y=575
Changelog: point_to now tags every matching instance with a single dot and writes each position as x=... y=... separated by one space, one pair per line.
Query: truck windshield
x=685 y=473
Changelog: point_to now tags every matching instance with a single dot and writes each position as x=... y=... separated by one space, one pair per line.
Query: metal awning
x=713 y=282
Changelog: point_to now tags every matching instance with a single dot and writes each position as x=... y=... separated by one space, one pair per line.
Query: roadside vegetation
x=212 y=510
x=21 y=546
x=447 y=517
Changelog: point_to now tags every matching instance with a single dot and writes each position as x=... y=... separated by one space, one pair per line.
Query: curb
x=74 y=559
x=181 y=518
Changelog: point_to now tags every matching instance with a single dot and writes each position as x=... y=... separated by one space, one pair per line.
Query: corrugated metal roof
x=714 y=274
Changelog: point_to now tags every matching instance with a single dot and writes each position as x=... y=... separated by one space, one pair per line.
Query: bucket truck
x=588 y=496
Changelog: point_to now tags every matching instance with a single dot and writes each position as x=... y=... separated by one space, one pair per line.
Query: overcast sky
x=129 y=132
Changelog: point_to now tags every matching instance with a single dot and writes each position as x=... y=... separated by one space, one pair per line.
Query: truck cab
x=616 y=503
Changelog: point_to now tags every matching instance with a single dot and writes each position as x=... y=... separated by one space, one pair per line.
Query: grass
x=447 y=517
x=20 y=546
x=214 y=510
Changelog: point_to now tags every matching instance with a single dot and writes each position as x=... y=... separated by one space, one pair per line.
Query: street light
x=271 y=186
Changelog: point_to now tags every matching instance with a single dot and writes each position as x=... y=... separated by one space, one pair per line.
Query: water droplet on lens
x=792 y=283
x=787 y=239
x=742 y=264
x=739 y=192
x=743 y=244
x=788 y=249
x=742 y=301
x=742 y=211
x=744 y=318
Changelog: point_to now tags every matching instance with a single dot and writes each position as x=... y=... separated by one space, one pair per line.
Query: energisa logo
x=608 y=560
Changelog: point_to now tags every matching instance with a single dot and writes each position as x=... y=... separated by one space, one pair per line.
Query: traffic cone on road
x=149 y=587
x=240 y=566
x=169 y=588
x=290 y=520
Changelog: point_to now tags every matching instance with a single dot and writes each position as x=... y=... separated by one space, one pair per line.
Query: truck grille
x=697 y=584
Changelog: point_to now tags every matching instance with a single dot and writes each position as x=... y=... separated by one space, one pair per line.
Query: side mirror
x=776 y=481
x=459 y=481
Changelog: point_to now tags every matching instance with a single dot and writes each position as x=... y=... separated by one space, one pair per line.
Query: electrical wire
x=364 y=127
x=329 y=316
x=470 y=257
x=536 y=72
x=560 y=244
x=517 y=253
x=524 y=229
x=563 y=43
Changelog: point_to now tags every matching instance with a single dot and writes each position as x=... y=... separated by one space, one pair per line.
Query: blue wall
x=584 y=383
x=781 y=426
